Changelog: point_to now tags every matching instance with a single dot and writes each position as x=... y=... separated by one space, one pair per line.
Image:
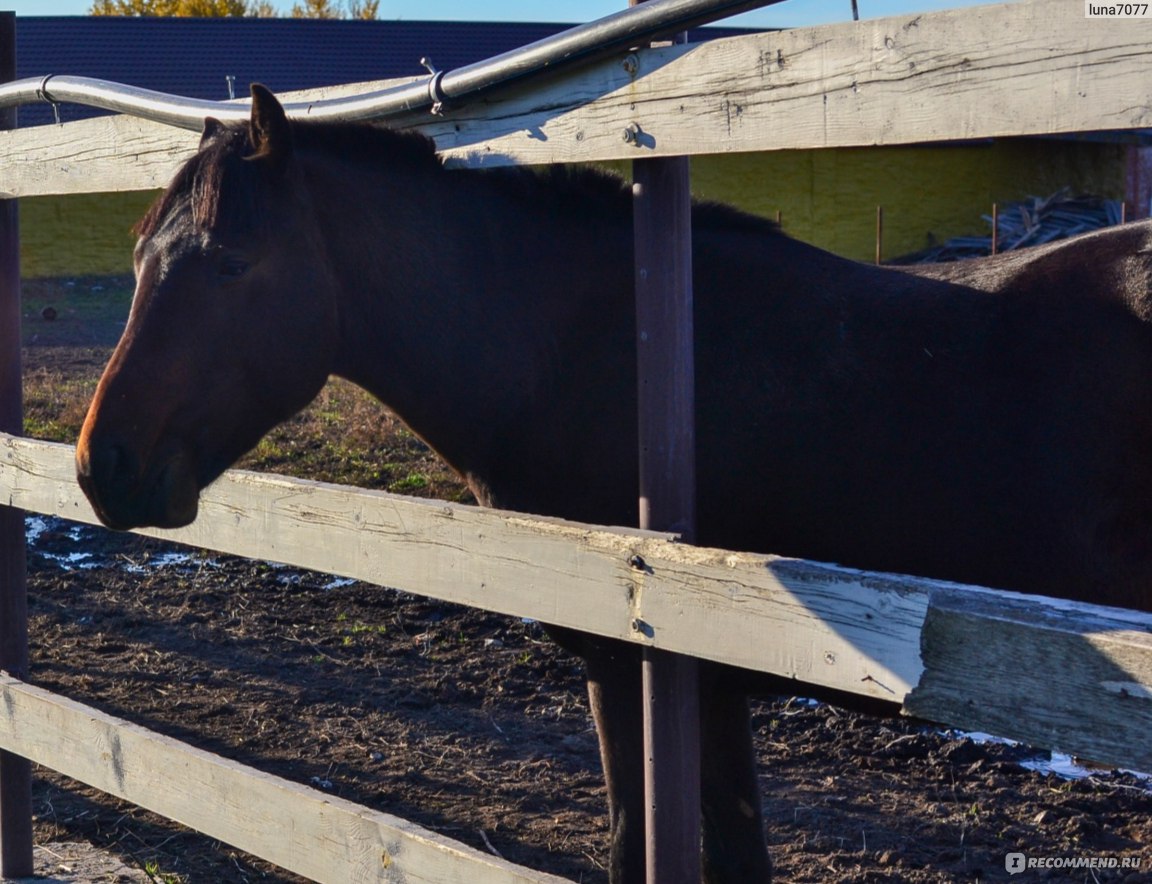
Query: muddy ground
x=473 y=724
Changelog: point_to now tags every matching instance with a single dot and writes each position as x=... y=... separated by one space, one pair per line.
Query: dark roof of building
x=194 y=56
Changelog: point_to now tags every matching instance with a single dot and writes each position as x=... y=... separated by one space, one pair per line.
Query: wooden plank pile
x=1030 y=222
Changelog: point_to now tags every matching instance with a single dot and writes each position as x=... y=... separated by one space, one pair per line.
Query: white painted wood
x=820 y=624
x=322 y=837
x=977 y=72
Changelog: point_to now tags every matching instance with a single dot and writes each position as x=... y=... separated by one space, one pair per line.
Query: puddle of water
x=34 y=526
x=73 y=561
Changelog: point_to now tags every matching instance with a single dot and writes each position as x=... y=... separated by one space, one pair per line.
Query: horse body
x=986 y=423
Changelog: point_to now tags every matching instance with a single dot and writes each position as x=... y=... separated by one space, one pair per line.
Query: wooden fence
x=1058 y=674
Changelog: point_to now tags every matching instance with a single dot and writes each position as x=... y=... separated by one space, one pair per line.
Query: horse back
x=995 y=435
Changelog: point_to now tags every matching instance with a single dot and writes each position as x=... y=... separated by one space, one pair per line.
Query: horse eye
x=233 y=268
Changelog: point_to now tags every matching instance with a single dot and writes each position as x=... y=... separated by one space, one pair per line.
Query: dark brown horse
x=989 y=423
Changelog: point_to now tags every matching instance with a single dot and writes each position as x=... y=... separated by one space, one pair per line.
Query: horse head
x=231 y=328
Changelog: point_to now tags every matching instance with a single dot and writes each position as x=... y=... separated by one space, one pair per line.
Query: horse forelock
x=202 y=182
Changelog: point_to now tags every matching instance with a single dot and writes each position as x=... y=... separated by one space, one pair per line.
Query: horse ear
x=211 y=127
x=268 y=128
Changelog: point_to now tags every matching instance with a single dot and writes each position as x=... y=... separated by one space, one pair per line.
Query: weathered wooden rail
x=1052 y=673
x=884 y=636
x=1027 y=68
x=1058 y=674
x=319 y=836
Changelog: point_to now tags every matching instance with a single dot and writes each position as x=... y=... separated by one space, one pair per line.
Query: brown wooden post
x=879 y=234
x=667 y=503
x=666 y=377
x=15 y=772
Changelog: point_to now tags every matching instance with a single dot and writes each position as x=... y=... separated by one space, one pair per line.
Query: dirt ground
x=475 y=726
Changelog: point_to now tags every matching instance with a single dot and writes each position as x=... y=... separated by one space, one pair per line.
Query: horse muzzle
x=128 y=491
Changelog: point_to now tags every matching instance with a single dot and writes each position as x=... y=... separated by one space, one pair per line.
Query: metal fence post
x=662 y=214
x=15 y=772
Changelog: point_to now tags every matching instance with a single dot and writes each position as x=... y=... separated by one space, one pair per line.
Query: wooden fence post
x=667 y=503
x=15 y=772
x=662 y=214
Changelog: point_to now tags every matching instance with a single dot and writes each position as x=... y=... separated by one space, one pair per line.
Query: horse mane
x=569 y=188
x=200 y=179
x=582 y=191
x=593 y=192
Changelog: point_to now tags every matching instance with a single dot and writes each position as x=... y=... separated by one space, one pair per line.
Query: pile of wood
x=1029 y=222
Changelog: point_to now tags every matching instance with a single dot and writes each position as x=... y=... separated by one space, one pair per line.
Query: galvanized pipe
x=620 y=30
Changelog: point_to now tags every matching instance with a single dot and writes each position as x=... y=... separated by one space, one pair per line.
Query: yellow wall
x=87 y=234
x=827 y=197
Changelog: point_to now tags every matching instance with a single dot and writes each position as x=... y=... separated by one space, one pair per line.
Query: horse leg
x=615 y=700
x=733 y=823
x=614 y=693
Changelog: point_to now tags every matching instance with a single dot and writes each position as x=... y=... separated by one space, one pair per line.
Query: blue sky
x=790 y=13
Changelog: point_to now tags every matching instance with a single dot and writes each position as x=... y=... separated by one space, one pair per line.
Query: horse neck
x=460 y=311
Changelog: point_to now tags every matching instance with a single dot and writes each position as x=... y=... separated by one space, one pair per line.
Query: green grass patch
x=85 y=311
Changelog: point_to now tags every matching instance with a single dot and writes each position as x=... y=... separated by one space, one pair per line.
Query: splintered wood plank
x=1061 y=675
x=1015 y=69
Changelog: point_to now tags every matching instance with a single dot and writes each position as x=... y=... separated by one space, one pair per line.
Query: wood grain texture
x=112 y=153
x=322 y=837
x=819 y=624
x=979 y=72
x=1059 y=675
x=1014 y=69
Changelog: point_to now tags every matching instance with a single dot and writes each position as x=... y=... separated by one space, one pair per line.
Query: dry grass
x=346 y=436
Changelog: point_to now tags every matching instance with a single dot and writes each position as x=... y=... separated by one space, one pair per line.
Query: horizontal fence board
x=1061 y=676
x=322 y=837
x=113 y=153
x=1064 y=675
x=101 y=155
x=822 y=625
x=1030 y=68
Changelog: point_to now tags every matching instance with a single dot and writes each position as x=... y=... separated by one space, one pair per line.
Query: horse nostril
x=124 y=465
x=108 y=473
x=109 y=464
